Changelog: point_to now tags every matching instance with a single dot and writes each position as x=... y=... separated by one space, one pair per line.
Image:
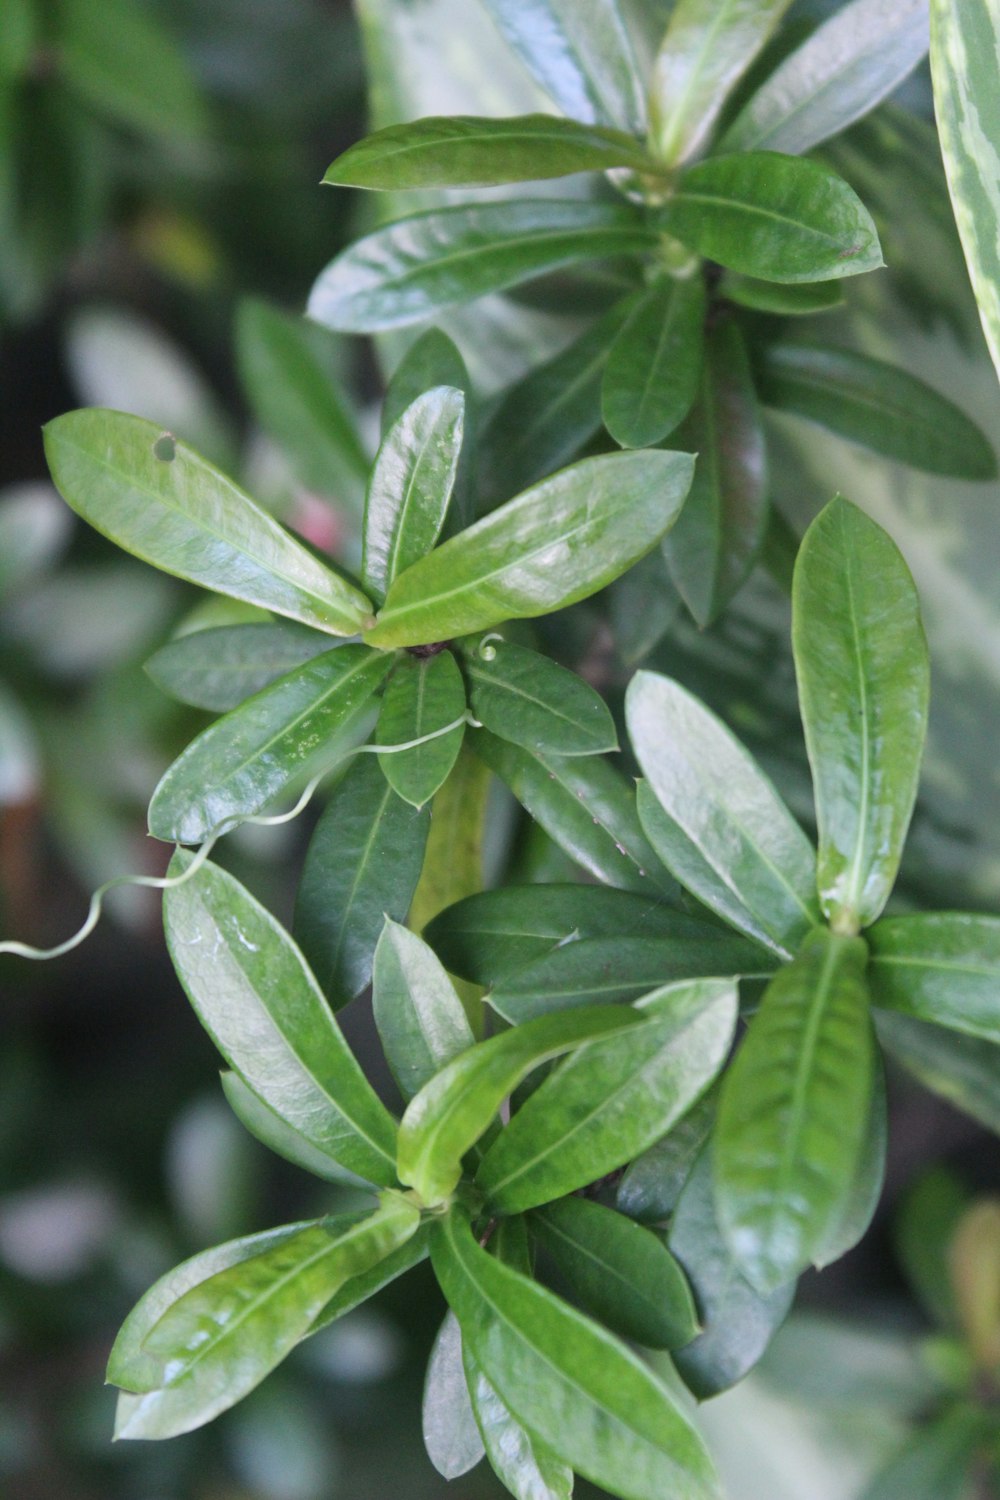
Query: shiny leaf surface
x=277 y=1135
x=942 y=967
x=422 y=697
x=532 y=701
x=420 y=1019
x=652 y=1185
x=518 y=1458
x=219 y=668
x=651 y=377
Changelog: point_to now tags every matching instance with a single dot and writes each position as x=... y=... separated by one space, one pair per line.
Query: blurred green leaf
x=925 y=1222
x=219 y=668
x=451 y=1435
x=34 y=530
x=795 y=299
x=938 y=1461
x=651 y=377
x=423 y=696
x=420 y=1020
x=518 y=1458
x=531 y=701
x=963 y=1069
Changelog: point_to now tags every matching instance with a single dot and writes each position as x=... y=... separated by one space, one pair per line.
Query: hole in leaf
x=165 y=447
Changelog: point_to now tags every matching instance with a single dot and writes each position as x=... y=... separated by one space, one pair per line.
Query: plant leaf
x=431 y=360
x=362 y=864
x=938 y=1462
x=156 y=498
x=414 y=268
x=866 y=1190
x=365 y=1284
x=423 y=696
x=863 y=676
x=453 y=863
x=844 y=69
x=420 y=1019
x=794 y=299
x=651 y=377
x=963 y=1069
x=555 y=544
x=942 y=967
x=254 y=995
x=715 y=819
x=219 y=668
x=530 y=700
x=794 y=1111
x=278 y=1136
x=652 y=1185
x=300 y=724
x=451 y=1435
x=875 y=404
x=782 y=218
x=586 y=1396
x=613 y=1099
x=518 y=1458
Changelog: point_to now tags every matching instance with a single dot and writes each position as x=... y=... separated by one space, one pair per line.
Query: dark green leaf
x=589 y=1400
x=963 y=1069
x=788 y=300
x=431 y=360
x=651 y=377
x=715 y=819
x=866 y=1190
x=875 y=404
x=412 y=269
x=531 y=701
x=553 y=545
x=939 y=966
x=643 y=604
x=217 y=669
x=155 y=497
x=782 y=218
x=277 y=1135
x=420 y=1019
x=298 y=726
x=651 y=1187
x=424 y=695
x=794 y=1112
x=938 y=1461
x=451 y=1435
x=863 y=676
x=253 y=993
x=614 y=1098
x=721 y=529
x=363 y=863
x=926 y=1219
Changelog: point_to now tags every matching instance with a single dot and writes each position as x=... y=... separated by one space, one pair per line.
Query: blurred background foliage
x=160 y=226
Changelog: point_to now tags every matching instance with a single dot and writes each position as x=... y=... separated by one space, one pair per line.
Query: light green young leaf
x=942 y=967
x=794 y=1112
x=651 y=377
x=532 y=701
x=553 y=545
x=715 y=819
x=423 y=696
x=157 y=498
x=255 y=996
x=260 y=1120
x=844 y=69
x=367 y=1283
x=453 y=863
x=219 y=668
x=863 y=676
x=420 y=1019
x=451 y=1436
x=294 y=728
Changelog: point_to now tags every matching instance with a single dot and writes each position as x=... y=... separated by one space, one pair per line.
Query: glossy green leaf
x=457 y=1105
x=795 y=299
x=721 y=530
x=424 y=695
x=431 y=360
x=518 y=1458
x=532 y=701
x=451 y=1435
x=844 y=69
x=453 y=862
x=866 y=1190
x=652 y=1185
x=471 y=151
x=298 y=726
x=586 y=807
x=365 y=1284
x=420 y=1019
x=277 y=1135
x=863 y=676
x=794 y=1112
x=253 y=993
x=362 y=864
x=963 y=1069
x=222 y=1336
x=715 y=819
x=219 y=668
x=738 y=1322
x=942 y=967
x=708 y=46
x=621 y=1273
x=782 y=218
x=555 y=544
x=414 y=268
x=614 y=1098
x=651 y=377
x=581 y=53
x=876 y=404
x=155 y=497
x=410 y=486
x=581 y=1391
x=965 y=68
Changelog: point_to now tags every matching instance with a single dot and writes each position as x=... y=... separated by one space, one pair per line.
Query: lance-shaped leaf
x=715 y=819
x=651 y=377
x=457 y=1105
x=783 y=218
x=219 y=668
x=939 y=966
x=875 y=404
x=866 y=1189
x=622 y=1273
x=738 y=1322
x=532 y=701
x=721 y=530
x=423 y=697
x=420 y=1019
x=613 y=1099
x=433 y=360
x=965 y=68
x=451 y=1436
x=278 y=1136
x=788 y=300
x=473 y=151
x=576 y=1387
x=363 y=863
x=221 y=1337
x=519 y=1459
x=157 y=498
x=410 y=486
x=366 y=1283
x=794 y=1112
x=963 y=1069
x=652 y=1185
x=581 y=53
x=586 y=807
x=708 y=46
x=299 y=725
x=863 y=676
x=258 y=1001
x=412 y=269
x=553 y=545
x=847 y=66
